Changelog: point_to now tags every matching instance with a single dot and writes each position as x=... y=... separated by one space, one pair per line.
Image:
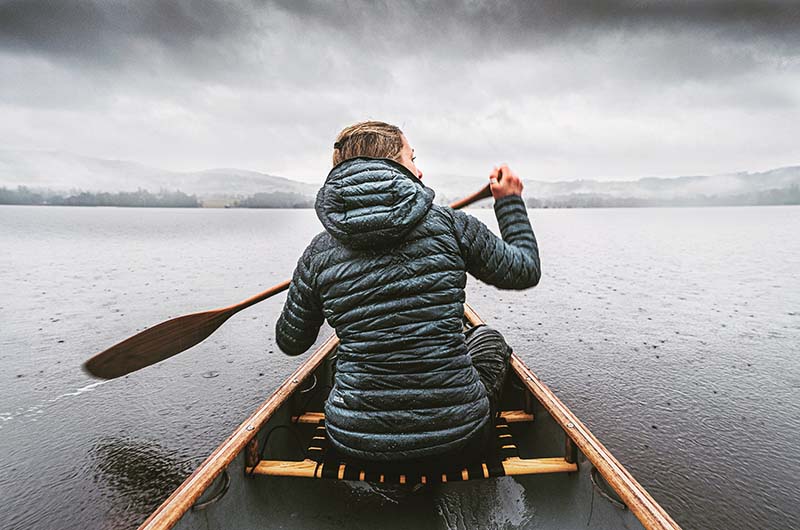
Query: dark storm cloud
x=107 y=31
x=511 y=25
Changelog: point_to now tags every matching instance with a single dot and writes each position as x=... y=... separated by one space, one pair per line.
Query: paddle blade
x=156 y=344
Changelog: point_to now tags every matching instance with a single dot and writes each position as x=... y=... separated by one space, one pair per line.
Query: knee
x=487 y=336
x=485 y=332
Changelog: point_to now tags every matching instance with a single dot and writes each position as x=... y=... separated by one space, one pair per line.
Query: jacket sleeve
x=298 y=326
x=508 y=263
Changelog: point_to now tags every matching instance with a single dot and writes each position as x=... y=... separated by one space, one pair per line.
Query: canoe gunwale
x=635 y=497
x=651 y=515
x=182 y=499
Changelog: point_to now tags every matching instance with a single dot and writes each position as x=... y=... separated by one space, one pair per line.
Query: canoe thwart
x=323 y=461
x=511 y=416
x=513 y=466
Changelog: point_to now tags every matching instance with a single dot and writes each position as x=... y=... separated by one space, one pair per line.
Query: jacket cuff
x=505 y=202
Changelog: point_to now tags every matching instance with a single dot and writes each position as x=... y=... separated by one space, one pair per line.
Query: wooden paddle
x=181 y=333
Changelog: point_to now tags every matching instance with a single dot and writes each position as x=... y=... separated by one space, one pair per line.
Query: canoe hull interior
x=553 y=500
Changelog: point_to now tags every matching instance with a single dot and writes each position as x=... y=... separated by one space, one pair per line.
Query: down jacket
x=389 y=274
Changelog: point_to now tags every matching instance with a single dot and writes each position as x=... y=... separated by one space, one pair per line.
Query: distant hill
x=63 y=172
x=777 y=186
x=46 y=170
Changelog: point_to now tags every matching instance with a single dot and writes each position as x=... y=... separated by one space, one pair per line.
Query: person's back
x=389 y=274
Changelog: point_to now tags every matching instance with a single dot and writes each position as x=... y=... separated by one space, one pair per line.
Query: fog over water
x=672 y=333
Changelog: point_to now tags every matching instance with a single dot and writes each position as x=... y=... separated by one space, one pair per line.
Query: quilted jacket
x=389 y=274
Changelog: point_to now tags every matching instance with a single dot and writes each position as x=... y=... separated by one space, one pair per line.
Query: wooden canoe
x=553 y=472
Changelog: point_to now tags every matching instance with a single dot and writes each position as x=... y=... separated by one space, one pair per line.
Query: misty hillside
x=60 y=171
x=676 y=190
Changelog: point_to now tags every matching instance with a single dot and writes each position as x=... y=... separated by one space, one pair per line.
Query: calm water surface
x=673 y=334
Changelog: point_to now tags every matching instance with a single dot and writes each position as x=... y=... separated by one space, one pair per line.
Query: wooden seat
x=323 y=462
x=511 y=416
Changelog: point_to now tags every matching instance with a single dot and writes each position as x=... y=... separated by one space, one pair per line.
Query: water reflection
x=138 y=475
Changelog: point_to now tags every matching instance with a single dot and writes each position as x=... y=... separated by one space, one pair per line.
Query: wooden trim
x=512 y=466
x=516 y=416
x=535 y=466
x=287 y=468
x=181 y=500
x=570 y=449
x=647 y=510
x=251 y=453
x=472 y=316
x=309 y=417
x=511 y=416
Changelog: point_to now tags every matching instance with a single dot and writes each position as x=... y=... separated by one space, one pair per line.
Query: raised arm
x=508 y=263
x=298 y=326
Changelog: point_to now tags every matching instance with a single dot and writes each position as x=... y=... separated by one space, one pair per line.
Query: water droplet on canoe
x=210 y=374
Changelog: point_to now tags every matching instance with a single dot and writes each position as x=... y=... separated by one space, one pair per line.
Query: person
x=388 y=274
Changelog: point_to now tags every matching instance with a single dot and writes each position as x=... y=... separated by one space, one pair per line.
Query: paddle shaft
x=181 y=333
x=483 y=193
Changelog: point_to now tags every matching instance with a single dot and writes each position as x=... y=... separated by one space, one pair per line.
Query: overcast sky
x=560 y=90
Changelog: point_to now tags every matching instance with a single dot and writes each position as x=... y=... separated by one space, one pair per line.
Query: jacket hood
x=371 y=202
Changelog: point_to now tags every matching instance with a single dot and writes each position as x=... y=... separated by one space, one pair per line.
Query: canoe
x=277 y=471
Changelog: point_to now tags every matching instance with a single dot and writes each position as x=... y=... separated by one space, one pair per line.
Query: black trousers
x=490 y=356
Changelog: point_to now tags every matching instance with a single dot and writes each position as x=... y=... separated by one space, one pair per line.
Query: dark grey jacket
x=389 y=274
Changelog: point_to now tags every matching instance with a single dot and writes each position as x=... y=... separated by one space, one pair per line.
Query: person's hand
x=509 y=183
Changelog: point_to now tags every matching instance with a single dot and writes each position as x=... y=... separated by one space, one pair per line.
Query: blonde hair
x=373 y=139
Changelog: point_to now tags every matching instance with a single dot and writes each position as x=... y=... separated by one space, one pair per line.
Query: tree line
x=279 y=199
x=143 y=198
x=773 y=197
x=139 y=198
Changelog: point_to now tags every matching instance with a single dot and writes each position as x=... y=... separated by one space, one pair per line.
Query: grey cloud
x=310 y=44
x=570 y=88
x=511 y=24
x=106 y=31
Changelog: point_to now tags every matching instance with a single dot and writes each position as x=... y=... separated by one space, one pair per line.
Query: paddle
x=181 y=333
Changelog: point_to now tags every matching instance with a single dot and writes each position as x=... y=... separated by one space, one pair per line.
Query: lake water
x=672 y=333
